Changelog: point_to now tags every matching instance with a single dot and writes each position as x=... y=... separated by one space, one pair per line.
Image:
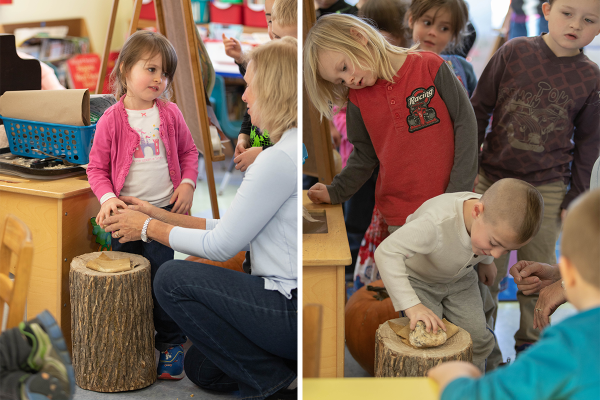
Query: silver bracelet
x=144 y=236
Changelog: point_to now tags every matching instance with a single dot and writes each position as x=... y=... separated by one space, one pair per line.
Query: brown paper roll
x=65 y=107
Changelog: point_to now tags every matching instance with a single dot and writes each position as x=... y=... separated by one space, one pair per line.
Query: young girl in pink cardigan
x=144 y=149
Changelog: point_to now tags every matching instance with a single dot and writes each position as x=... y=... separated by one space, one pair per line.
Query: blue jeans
x=168 y=334
x=244 y=336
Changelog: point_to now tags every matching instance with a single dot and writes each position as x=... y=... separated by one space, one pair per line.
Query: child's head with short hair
x=438 y=24
x=388 y=16
x=284 y=17
x=340 y=52
x=271 y=76
x=143 y=45
x=572 y=25
x=580 y=247
x=508 y=215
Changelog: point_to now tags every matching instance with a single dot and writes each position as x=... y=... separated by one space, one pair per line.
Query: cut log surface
x=112 y=326
x=394 y=358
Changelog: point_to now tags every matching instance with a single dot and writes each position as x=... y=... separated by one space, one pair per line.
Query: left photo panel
x=149 y=207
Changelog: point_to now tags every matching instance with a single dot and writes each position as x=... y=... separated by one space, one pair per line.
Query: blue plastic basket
x=72 y=142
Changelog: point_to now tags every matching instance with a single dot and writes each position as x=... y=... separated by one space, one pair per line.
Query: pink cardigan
x=115 y=141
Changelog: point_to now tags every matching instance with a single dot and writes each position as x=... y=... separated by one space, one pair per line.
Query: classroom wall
x=95 y=12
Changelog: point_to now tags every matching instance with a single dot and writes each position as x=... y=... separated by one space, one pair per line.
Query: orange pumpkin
x=366 y=309
x=234 y=263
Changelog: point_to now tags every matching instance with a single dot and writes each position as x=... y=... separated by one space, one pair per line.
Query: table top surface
x=369 y=388
x=57 y=188
x=323 y=249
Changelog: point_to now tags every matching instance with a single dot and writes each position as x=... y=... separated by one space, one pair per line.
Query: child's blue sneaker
x=170 y=363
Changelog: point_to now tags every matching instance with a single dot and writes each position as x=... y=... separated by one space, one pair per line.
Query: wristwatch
x=144 y=236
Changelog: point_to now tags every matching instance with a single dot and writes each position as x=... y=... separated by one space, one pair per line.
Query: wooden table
x=369 y=388
x=324 y=257
x=58 y=214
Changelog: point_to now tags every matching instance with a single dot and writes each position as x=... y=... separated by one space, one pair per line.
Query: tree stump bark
x=112 y=325
x=394 y=358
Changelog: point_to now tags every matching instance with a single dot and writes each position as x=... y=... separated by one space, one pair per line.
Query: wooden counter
x=58 y=214
x=370 y=388
x=324 y=257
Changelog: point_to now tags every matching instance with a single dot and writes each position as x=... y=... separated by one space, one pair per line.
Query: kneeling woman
x=243 y=327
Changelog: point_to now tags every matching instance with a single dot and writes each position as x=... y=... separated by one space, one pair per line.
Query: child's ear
x=359 y=36
x=410 y=21
x=477 y=210
x=568 y=272
x=546 y=10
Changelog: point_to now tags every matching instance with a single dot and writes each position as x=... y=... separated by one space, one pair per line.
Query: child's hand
x=446 y=372
x=133 y=203
x=244 y=160
x=183 y=198
x=422 y=313
x=487 y=273
x=110 y=205
x=242 y=144
x=319 y=194
x=233 y=48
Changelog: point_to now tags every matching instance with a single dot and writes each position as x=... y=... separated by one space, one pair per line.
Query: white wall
x=95 y=12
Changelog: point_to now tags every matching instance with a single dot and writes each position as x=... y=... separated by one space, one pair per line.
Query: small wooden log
x=112 y=325
x=394 y=358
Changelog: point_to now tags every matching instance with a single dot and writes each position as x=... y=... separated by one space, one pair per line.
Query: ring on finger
x=538 y=309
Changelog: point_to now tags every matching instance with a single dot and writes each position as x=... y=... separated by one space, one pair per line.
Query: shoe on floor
x=170 y=363
x=49 y=353
x=43 y=386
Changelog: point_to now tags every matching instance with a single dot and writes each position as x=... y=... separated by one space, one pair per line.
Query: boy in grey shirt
x=428 y=264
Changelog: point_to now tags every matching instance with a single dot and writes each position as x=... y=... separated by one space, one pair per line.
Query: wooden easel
x=315 y=133
x=187 y=85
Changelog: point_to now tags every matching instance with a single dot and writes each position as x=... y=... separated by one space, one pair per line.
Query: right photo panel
x=451 y=210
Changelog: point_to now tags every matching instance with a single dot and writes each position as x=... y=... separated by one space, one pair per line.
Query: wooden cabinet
x=58 y=214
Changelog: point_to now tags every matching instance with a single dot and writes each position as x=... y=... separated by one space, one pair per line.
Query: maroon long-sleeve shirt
x=546 y=116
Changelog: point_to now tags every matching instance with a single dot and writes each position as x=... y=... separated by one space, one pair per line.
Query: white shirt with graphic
x=148 y=178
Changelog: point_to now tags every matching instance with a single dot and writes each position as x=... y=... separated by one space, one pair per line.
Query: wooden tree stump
x=394 y=358
x=112 y=325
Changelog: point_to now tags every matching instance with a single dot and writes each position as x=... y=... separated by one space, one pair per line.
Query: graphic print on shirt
x=421 y=115
x=147 y=141
x=527 y=124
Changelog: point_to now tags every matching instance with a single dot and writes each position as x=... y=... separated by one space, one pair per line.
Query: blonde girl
x=406 y=112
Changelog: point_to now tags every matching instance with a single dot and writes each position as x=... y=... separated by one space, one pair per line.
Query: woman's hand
x=487 y=273
x=126 y=225
x=446 y=372
x=531 y=276
x=110 y=205
x=244 y=160
x=183 y=197
x=233 y=48
x=422 y=313
x=550 y=298
x=319 y=194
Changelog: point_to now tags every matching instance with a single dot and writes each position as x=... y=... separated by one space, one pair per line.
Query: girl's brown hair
x=388 y=16
x=459 y=15
x=143 y=45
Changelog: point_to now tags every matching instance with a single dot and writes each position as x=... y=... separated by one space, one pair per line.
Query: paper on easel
x=65 y=107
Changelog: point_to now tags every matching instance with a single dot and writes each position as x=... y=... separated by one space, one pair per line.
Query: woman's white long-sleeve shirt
x=263 y=215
